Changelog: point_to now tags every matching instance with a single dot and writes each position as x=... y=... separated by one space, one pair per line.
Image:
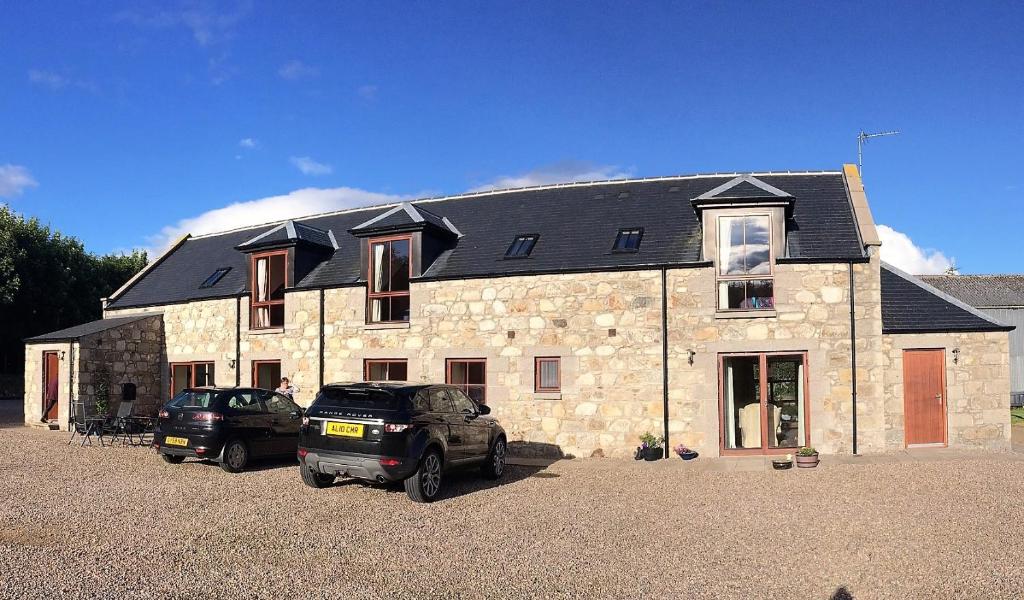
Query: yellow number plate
x=344 y=429
x=176 y=441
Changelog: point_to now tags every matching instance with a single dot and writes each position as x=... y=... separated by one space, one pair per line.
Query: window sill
x=266 y=331
x=746 y=314
x=547 y=395
x=374 y=326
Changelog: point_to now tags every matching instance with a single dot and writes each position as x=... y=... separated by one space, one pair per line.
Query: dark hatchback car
x=231 y=426
x=389 y=432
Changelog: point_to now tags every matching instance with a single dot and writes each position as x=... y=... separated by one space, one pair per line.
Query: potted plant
x=807 y=457
x=685 y=453
x=650 y=447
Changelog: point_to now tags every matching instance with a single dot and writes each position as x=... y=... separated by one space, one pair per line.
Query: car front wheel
x=494 y=466
x=236 y=456
x=425 y=484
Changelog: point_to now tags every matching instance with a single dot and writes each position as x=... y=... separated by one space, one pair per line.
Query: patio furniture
x=118 y=426
x=84 y=425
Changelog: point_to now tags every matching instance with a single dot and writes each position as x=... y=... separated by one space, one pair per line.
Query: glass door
x=763 y=403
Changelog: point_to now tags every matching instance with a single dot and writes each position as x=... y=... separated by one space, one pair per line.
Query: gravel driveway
x=118 y=522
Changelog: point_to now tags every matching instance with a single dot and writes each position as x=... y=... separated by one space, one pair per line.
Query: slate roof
x=79 y=331
x=910 y=305
x=287 y=233
x=577 y=224
x=982 y=291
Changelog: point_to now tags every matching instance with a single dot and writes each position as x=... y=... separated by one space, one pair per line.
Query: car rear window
x=193 y=399
x=366 y=398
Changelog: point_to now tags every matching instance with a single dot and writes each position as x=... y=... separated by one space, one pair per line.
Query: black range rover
x=398 y=432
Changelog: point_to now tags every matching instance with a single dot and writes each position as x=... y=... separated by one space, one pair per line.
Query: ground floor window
x=763 y=402
x=547 y=376
x=386 y=370
x=266 y=374
x=469 y=375
x=190 y=374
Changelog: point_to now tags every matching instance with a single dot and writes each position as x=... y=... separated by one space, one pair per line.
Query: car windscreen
x=364 y=398
x=193 y=400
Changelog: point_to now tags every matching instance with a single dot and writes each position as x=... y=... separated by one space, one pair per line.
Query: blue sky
x=127 y=124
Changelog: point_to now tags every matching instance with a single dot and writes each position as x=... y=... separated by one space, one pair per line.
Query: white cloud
x=561 y=172
x=300 y=203
x=901 y=252
x=296 y=69
x=207 y=24
x=308 y=166
x=14 y=179
x=52 y=80
x=249 y=143
x=367 y=92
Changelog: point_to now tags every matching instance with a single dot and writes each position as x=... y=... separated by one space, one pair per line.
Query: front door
x=50 y=371
x=924 y=397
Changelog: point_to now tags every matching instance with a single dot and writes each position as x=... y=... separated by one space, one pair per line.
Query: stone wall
x=130 y=353
x=977 y=387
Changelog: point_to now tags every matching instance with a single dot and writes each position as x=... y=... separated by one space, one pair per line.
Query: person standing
x=287 y=388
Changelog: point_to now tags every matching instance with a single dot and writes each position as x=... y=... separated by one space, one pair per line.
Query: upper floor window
x=628 y=240
x=521 y=247
x=388 y=286
x=269 y=278
x=744 y=263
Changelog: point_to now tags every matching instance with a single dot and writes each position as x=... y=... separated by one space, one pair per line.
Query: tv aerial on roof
x=862 y=138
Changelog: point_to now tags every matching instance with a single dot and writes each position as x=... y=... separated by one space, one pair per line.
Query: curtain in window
x=730 y=409
x=801 y=436
x=263 y=312
x=376 y=306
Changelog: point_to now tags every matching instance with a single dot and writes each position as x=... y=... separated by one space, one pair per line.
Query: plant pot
x=781 y=464
x=688 y=455
x=653 y=453
x=807 y=462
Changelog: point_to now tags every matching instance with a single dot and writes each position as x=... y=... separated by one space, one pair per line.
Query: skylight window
x=521 y=246
x=628 y=240
x=215 y=277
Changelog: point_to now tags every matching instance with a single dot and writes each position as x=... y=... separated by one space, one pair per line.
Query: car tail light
x=200 y=450
x=395 y=427
x=207 y=416
x=303 y=452
x=164 y=414
x=389 y=462
x=156 y=446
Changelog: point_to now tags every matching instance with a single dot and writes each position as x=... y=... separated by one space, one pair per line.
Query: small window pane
x=400 y=266
x=521 y=246
x=752 y=294
x=628 y=239
x=215 y=277
x=744 y=246
x=387 y=370
x=277 y=277
x=548 y=379
x=267 y=375
x=204 y=374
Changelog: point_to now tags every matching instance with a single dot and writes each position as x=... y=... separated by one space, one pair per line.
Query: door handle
x=938 y=398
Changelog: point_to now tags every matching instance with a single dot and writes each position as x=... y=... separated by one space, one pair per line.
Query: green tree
x=49 y=281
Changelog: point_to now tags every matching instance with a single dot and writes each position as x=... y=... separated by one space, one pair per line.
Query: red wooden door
x=924 y=396
x=50 y=371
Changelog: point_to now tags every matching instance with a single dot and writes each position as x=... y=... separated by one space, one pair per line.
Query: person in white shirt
x=287 y=388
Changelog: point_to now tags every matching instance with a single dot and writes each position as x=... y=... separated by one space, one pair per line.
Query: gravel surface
x=119 y=523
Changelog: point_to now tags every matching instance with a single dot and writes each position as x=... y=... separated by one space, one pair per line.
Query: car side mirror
x=484 y=409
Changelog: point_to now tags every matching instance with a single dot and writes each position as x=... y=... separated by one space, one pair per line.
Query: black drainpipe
x=321 y=353
x=238 y=341
x=853 y=358
x=71 y=387
x=664 y=353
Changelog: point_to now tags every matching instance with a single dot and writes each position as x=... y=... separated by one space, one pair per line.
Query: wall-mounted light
x=231 y=363
x=956 y=356
x=61 y=356
x=689 y=356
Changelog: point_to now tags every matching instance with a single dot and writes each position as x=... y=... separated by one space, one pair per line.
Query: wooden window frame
x=720 y=278
x=268 y=304
x=255 y=366
x=537 y=387
x=466 y=386
x=766 y=450
x=192 y=374
x=370 y=294
x=388 y=361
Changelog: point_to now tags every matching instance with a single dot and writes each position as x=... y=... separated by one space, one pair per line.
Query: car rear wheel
x=172 y=459
x=315 y=479
x=235 y=457
x=425 y=484
x=494 y=466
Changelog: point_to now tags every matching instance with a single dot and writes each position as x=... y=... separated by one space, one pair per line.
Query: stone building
x=736 y=314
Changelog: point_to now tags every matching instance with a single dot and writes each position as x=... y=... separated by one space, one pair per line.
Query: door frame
x=945 y=399
x=46 y=376
x=765 y=450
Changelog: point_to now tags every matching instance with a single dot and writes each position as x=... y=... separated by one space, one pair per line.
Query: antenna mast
x=862 y=138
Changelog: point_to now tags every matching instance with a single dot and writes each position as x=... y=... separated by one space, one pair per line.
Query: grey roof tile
x=988 y=291
x=910 y=305
x=78 y=331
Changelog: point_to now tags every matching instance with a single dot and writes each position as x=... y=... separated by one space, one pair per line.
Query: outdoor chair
x=118 y=426
x=85 y=426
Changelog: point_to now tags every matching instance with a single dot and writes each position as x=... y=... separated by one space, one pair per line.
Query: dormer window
x=388 y=280
x=521 y=246
x=745 y=263
x=628 y=240
x=269 y=279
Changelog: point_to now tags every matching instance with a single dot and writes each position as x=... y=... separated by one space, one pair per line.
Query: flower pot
x=807 y=462
x=653 y=453
x=780 y=464
x=688 y=455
